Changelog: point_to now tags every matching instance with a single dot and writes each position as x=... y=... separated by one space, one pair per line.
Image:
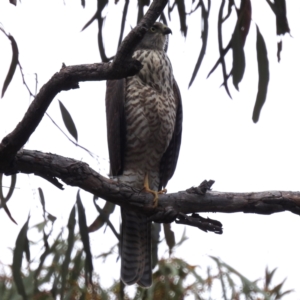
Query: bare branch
x=76 y=173
x=67 y=78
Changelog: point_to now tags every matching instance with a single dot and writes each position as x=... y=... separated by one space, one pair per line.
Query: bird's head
x=155 y=38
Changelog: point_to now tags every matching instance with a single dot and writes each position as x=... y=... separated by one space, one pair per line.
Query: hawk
x=144 y=124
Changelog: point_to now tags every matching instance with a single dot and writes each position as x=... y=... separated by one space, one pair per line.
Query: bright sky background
x=219 y=142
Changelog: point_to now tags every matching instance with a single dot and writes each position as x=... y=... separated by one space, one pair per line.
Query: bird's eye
x=152 y=29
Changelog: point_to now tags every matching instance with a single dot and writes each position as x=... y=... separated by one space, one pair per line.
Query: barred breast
x=150 y=112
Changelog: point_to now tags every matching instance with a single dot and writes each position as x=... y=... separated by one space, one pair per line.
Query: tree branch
x=69 y=77
x=171 y=206
x=76 y=173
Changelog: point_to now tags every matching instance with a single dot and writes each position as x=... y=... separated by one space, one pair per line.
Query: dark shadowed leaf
x=3 y=200
x=101 y=47
x=48 y=250
x=279 y=49
x=263 y=75
x=55 y=258
x=94 y=17
x=238 y=57
x=13 y=64
x=221 y=49
x=83 y=3
x=182 y=16
x=170 y=237
x=230 y=5
x=103 y=217
x=42 y=199
x=282 y=24
x=68 y=121
x=100 y=6
x=279 y=9
x=78 y=262
x=204 y=36
x=14 y=2
x=66 y=262
x=22 y=245
x=83 y=229
x=268 y=276
x=51 y=217
x=245 y=16
x=125 y=10
x=141 y=4
x=11 y=188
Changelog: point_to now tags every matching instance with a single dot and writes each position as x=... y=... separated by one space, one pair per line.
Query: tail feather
x=146 y=279
x=136 y=249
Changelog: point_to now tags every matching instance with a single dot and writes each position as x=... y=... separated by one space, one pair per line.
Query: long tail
x=136 y=249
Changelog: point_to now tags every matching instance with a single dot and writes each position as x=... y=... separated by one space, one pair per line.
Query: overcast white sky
x=219 y=142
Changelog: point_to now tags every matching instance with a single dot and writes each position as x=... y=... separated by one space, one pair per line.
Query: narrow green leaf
x=238 y=57
x=263 y=75
x=70 y=125
x=13 y=64
x=22 y=245
x=83 y=229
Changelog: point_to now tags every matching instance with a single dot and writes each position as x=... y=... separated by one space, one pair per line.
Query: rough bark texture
x=76 y=173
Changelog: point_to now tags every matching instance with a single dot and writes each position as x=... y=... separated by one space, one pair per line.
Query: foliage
x=61 y=271
x=242 y=19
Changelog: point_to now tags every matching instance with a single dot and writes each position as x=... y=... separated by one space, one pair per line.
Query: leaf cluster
x=243 y=20
x=65 y=267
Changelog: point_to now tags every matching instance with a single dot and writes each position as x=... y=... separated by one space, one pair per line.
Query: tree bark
x=77 y=173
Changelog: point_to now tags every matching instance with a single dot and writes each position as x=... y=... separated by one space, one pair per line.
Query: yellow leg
x=154 y=193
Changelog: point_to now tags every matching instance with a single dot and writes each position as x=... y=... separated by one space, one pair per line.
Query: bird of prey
x=144 y=124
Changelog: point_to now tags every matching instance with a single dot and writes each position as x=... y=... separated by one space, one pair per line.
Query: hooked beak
x=166 y=30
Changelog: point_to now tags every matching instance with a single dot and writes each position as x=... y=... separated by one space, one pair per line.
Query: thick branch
x=69 y=77
x=193 y=200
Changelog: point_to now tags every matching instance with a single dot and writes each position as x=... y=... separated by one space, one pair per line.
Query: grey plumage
x=144 y=119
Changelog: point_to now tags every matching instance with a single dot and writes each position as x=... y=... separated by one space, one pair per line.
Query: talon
x=164 y=191
x=155 y=200
x=154 y=193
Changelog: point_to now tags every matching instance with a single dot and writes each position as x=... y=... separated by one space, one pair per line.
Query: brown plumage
x=144 y=123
